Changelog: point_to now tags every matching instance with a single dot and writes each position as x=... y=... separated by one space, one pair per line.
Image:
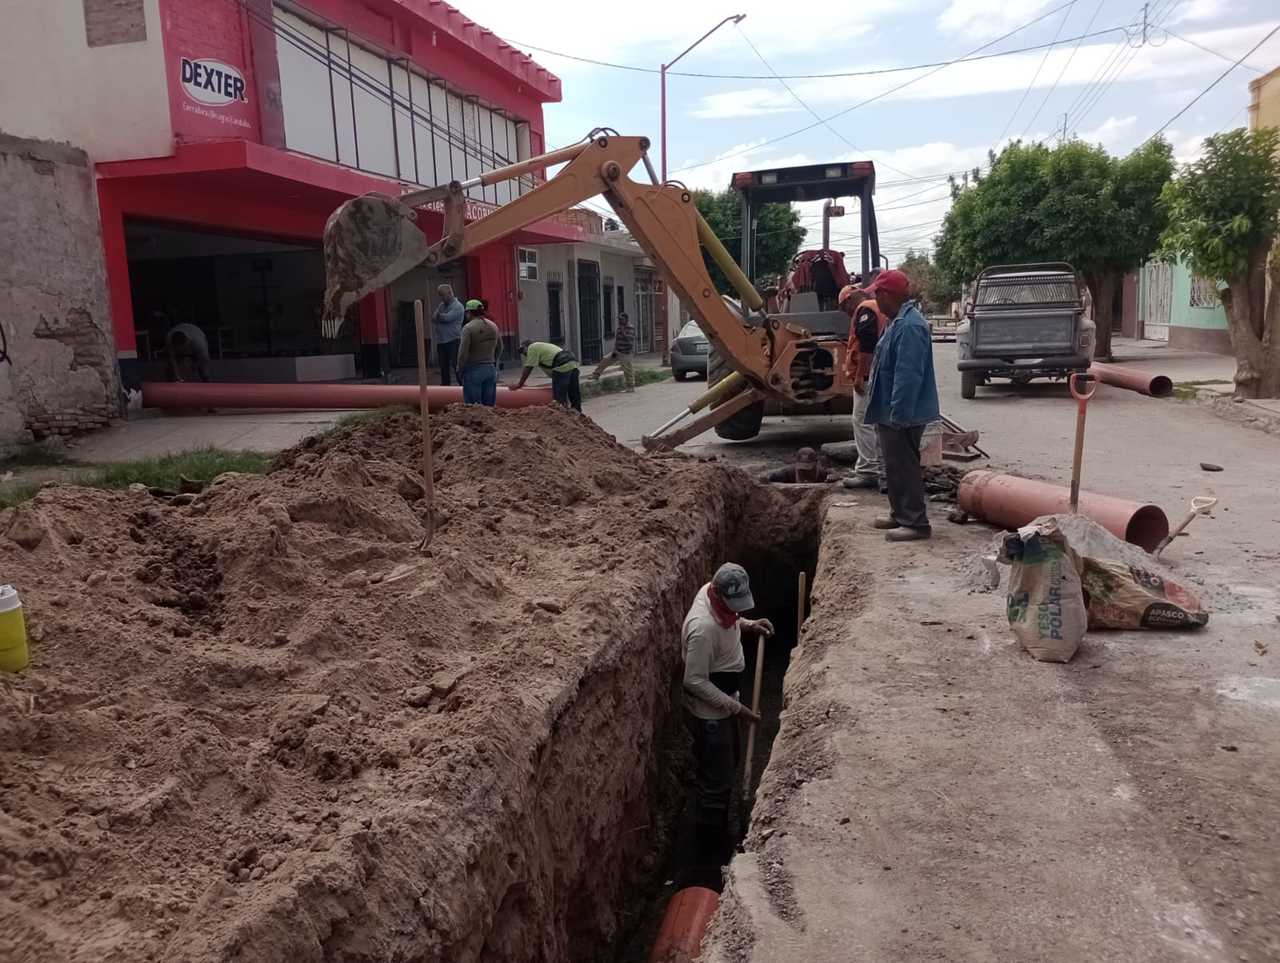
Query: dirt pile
x=263 y=726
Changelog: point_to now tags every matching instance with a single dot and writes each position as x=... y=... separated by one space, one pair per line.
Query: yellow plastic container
x=14 y=656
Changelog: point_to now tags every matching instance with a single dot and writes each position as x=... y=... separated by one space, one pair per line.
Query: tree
x=778 y=238
x=935 y=294
x=1073 y=203
x=1224 y=215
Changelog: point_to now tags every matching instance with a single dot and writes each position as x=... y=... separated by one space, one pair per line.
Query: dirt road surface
x=934 y=794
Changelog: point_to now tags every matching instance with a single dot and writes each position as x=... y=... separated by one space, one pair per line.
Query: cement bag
x=1046 y=601
x=1124 y=587
x=1124 y=596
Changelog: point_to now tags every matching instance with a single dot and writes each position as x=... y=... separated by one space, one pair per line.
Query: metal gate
x=646 y=311
x=1157 y=300
x=589 y=311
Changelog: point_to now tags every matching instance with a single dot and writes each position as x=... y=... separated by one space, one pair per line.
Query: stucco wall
x=61 y=374
x=54 y=86
x=1264 y=100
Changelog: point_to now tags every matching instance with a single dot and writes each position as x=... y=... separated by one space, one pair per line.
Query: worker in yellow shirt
x=560 y=364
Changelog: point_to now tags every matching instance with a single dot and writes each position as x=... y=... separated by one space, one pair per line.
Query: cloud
x=746 y=103
x=982 y=19
x=1112 y=132
x=1199 y=10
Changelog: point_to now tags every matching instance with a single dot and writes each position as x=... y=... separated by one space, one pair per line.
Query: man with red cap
x=902 y=399
x=866 y=324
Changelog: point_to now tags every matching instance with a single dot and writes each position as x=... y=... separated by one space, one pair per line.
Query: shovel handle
x=1199 y=506
x=1079 y=378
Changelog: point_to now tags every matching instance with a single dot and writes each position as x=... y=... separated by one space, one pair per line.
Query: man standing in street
x=902 y=399
x=866 y=324
x=560 y=364
x=711 y=646
x=624 y=347
x=478 y=351
x=446 y=325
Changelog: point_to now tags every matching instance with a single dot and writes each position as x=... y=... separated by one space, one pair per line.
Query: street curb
x=1241 y=411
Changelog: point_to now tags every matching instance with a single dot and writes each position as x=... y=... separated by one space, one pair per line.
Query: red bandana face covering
x=725 y=616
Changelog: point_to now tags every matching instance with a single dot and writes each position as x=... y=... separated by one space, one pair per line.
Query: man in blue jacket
x=903 y=400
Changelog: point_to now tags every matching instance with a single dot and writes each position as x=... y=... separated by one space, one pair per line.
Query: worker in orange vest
x=866 y=324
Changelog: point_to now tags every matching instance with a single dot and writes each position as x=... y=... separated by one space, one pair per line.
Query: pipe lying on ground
x=1012 y=502
x=685 y=923
x=1157 y=386
x=328 y=397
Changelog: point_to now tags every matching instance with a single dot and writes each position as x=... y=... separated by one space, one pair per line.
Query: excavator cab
x=806 y=297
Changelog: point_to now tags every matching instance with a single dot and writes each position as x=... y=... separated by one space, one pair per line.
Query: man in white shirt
x=711 y=646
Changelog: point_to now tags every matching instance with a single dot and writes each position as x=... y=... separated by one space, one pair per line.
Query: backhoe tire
x=968 y=385
x=746 y=423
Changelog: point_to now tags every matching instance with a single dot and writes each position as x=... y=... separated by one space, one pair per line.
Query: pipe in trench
x=685 y=923
x=1157 y=386
x=328 y=397
x=1012 y=502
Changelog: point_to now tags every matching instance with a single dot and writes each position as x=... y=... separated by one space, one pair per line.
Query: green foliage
x=1226 y=206
x=1073 y=203
x=935 y=293
x=778 y=239
x=612 y=382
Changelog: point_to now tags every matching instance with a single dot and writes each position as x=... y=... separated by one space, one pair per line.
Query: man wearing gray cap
x=711 y=645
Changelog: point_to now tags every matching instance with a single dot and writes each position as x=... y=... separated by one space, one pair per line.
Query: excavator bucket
x=368 y=242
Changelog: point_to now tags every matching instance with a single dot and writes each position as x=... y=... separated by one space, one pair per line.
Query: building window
x=1204 y=292
x=608 y=307
x=110 y=22
x=528 y=260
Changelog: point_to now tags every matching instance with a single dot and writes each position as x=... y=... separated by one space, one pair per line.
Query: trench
x=774 y=564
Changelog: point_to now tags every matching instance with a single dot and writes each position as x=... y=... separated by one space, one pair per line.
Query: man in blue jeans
x=902 y=400
x=478 y=351
x=446 y=326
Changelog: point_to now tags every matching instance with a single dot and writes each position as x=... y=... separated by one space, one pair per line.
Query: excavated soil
x=264 y=726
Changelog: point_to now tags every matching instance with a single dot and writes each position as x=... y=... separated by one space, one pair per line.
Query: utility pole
x=1144 y=23
x=1064 y=128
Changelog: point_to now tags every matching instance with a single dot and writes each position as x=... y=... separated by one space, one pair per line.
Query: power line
x=881 y=96
x=1217 y=53
x=968 y=58
x=799 y=100
x=1221 y=77
x=1061 y=73
x=1036 y=76
x=1123 y=65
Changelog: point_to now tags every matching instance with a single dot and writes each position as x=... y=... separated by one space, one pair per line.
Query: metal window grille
x=1204 y=292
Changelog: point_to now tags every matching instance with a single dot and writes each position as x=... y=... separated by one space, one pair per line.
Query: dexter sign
x=212 y=82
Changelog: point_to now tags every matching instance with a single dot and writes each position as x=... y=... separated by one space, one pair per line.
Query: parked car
x=1024 y=321
x=689 y=352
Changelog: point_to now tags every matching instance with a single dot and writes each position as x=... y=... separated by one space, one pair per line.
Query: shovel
x=1200 y=505
x=1078 y=381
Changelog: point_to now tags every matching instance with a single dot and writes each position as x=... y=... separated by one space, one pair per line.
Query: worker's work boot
x=885 y=522
x=861 y=481
x=908 y=535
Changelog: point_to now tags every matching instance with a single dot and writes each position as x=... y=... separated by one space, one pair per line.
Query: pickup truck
x=1024 y=321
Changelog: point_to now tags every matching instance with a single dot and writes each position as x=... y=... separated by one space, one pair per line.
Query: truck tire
x=746 y=423
x=968 y=385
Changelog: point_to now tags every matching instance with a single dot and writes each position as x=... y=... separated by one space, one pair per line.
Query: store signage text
x=212 y=82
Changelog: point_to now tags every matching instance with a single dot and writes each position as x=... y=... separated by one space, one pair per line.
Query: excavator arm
x=372 y=240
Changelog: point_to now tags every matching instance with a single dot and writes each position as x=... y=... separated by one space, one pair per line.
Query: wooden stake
x=428 y=473
x=755 y=707
x=800 y=605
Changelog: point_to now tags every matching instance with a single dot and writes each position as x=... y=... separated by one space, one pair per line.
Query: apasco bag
x=1122 y=596
x=1046 y=601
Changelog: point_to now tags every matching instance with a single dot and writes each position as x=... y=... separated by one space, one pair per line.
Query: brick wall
x=109 y=22
x=60 y=373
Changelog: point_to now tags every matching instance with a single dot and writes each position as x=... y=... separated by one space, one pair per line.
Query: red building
x=277 y=112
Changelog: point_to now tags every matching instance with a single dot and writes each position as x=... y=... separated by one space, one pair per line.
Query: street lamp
x=666 y=338
x=663 y=72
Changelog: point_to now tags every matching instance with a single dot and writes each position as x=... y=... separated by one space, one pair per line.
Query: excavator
x=371 y=240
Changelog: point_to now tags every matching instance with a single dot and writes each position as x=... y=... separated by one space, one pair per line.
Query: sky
x=1094 y=67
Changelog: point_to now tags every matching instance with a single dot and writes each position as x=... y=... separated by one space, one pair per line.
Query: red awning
x=279 y=179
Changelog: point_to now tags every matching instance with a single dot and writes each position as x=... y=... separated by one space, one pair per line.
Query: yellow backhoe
x=371 y=240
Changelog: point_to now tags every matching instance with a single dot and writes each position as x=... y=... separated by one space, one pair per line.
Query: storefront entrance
x=258 y=302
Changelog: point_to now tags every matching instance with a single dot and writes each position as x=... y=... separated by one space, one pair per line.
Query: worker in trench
x=711 y=646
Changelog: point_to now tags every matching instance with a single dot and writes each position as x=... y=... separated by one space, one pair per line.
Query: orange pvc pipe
x=684 y=925
x=1157 y=386
x=329 y=397
x=1012 y=502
